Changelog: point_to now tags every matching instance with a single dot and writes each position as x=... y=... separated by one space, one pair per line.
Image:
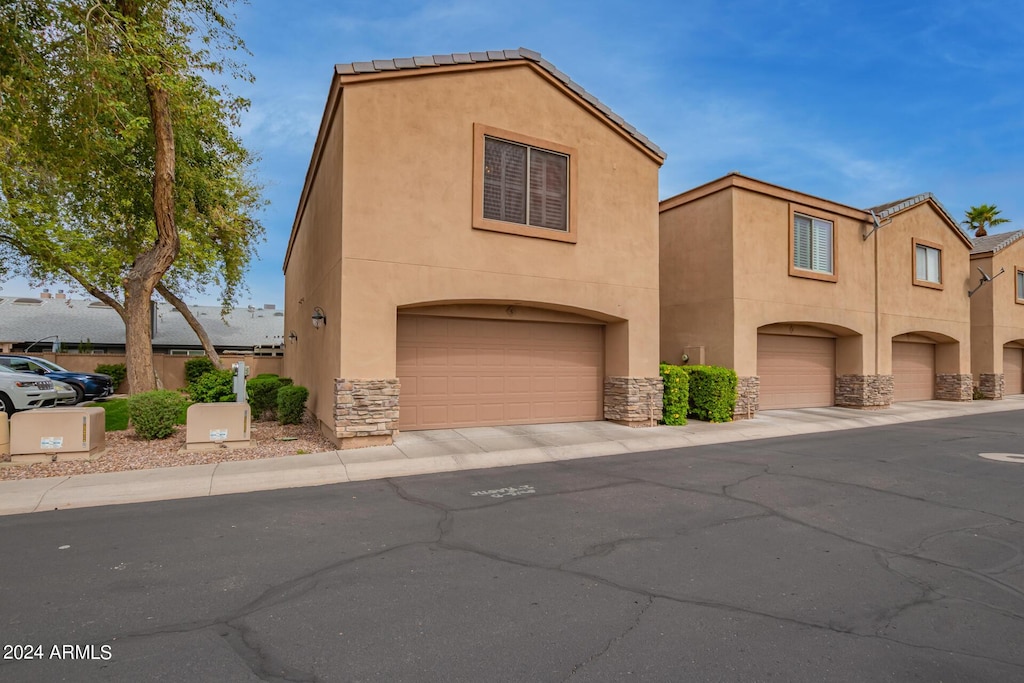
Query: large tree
x=119 y=167
x=981 y=218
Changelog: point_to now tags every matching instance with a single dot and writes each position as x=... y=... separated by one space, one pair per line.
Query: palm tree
x=979 y=218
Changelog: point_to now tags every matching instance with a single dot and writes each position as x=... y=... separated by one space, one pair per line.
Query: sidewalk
x=450 y=450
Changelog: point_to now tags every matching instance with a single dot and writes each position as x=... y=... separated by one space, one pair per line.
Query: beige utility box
x=217 y=425
x=5 y=434
x=46 y=434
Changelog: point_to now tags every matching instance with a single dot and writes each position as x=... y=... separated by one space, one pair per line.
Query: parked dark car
x=88 y=386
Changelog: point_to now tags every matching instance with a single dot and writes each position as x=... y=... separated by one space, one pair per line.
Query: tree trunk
x=182 y=308
x=150 y=265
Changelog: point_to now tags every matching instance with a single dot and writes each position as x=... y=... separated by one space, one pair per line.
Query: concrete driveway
x=892 y=553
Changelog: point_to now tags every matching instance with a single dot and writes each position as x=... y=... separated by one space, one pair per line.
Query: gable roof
x=74 y=321
x=995 y=243
x=382 y=68
x=883 y=211
x=461 y=58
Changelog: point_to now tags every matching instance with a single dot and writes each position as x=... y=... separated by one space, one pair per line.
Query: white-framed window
x=927 y=263
x=525 y=185
x=812 y=244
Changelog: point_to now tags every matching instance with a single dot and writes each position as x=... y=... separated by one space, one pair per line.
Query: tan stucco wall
x=996 y=317
x=696 y=281
x=313 y=278
x=767 y=294
x=407 y=222
x=907 y=308
x=725 y=274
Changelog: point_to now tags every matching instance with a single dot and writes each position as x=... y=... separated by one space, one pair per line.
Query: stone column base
x=954 y=387
x=633 y=401
x=992 y=386
x=748 y=397
x=864 y=391
x=365 y=412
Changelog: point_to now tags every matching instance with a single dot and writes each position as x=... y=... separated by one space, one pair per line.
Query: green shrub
x=712 y=392
x=215 y=386
x=262 y=394
x=117 y=371
x=291 y=404
x=286 y=381
x=196 y=368
x=677 y=394
x=155 y=413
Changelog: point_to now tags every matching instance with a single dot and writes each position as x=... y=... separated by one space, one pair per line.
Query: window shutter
x=548 y=189
x=504 y=181
x=802 y=242
x=934 y=274
x=921 y=261
x=822 y=246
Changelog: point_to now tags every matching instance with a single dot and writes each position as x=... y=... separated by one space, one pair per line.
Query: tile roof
x=883 y=211
x=75 y=320
x=380 y=65
x=995 y=243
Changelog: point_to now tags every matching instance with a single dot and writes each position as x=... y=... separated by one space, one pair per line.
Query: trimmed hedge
x=677 y=394
x=262 y=393
x=118 y=372
x=216 y=386
x=154 y=414
x=712 y=392
x=291 y=404
x=196 y=368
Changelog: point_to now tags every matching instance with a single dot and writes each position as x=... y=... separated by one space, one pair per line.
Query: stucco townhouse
x=809 y=302
x=997 y=314
x=476 y=243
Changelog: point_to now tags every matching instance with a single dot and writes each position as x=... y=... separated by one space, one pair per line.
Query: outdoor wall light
x=318 y=317
x=292 y=336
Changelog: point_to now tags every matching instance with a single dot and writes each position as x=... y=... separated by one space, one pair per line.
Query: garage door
x=796 y=372
x=913 y=371
x=462 y=372
x=1013 y=370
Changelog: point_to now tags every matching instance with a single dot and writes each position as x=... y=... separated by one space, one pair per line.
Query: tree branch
x=196 y=326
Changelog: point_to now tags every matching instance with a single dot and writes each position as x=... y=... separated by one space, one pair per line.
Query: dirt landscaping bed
x=126 y=451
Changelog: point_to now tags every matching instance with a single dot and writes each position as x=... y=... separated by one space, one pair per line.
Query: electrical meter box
x=217 y=425
x=5 y=434
x=47 y=434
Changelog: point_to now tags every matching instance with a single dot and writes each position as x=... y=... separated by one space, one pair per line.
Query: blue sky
x=858 y=102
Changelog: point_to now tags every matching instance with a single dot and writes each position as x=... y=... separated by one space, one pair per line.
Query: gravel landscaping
x=126 y=451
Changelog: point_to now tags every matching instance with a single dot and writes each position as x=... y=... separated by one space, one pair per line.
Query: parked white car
x=21 y=391
x=66 y=394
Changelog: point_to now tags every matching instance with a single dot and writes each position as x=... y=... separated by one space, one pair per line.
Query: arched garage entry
x=796 y=363
x=472 y=365
x=917 y=358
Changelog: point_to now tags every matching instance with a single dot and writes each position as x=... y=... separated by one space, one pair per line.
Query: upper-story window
x=526 y=185
x=927 y=264
x=523 y=186
x=1020 y=285
x=813 y=244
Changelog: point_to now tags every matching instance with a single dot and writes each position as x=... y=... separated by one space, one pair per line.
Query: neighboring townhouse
x=476 y=243
x=807 y=303
x=997 y=314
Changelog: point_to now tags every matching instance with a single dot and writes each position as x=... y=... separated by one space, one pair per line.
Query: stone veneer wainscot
x=954 y=387
x=365 y=411
x=865 y=391
x=633 y=401
x=992 y=386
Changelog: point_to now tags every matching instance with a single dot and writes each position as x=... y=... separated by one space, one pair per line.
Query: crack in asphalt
x=263 y=665
x=607 y=646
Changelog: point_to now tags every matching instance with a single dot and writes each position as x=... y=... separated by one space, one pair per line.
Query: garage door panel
x=466 y=372
x=795 y=372
x=1013 y=370
x=913 y=371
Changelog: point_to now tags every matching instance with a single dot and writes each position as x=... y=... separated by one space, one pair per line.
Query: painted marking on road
x=1003 y=457
x=522 y=490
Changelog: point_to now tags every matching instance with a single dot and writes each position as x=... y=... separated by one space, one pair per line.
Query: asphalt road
x=883 y=554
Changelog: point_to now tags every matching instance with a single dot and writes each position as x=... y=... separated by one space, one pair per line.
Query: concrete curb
x=455 y=450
